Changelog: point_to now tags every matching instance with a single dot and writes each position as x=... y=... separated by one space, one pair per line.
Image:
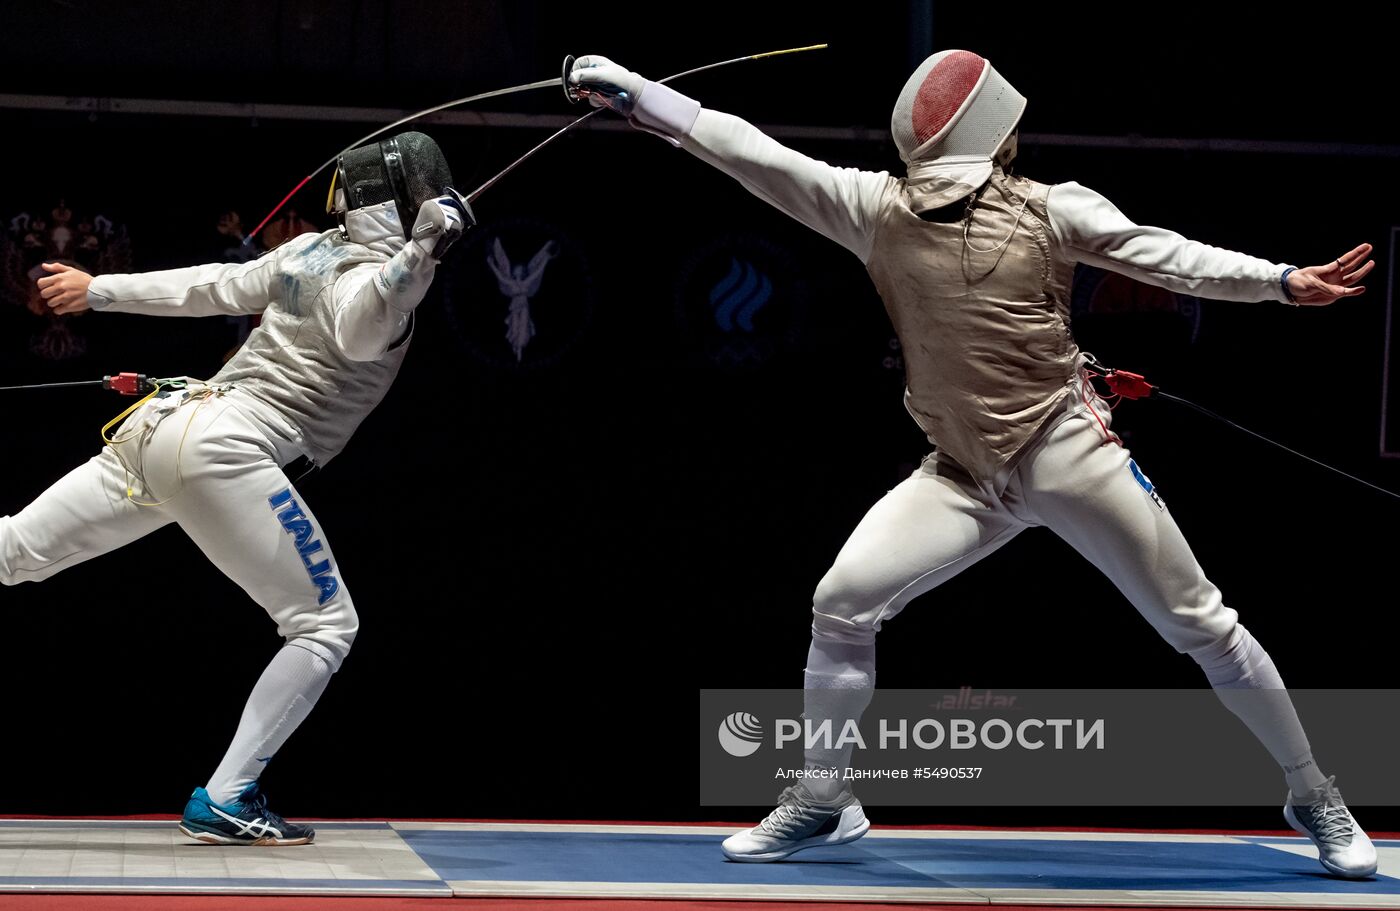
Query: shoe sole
x=210 y=838
x=822 y=842
x=1330 y=868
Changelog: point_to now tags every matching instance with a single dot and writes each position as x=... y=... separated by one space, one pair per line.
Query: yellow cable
x=113 y=442
x=121 y=417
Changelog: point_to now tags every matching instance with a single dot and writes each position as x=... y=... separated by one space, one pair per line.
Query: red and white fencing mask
x=955 y=116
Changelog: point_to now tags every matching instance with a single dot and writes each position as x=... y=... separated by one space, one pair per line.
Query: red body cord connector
x=1128 y=385
x=127 y=383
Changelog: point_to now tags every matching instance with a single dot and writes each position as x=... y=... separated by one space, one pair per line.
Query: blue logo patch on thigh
x=1145 y=484
x=296 y=524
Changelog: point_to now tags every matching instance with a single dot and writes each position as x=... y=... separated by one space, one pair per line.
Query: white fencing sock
x=1246 y=680
x=838 y=685
x=283 y=697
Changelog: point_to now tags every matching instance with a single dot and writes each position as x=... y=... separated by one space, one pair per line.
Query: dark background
x=550 y=560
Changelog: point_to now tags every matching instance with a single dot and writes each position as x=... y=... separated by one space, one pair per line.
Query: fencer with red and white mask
x=337 y=311
x=974 y=266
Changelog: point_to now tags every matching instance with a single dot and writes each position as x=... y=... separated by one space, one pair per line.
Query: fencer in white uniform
x=974 y=266
x=337 y=312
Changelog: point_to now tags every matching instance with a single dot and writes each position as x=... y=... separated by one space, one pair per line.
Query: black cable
x=53 y=385
x=1208 y=413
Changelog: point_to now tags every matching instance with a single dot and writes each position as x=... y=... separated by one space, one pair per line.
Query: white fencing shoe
x=1343 y=848
x=798 y=824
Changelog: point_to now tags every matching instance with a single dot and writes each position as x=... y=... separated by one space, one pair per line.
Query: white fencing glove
x=606 y=84
x=648 y=106
x=441 y=222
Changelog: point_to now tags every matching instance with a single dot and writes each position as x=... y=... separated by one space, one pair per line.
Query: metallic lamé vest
x=987 y=349
x=292 y=362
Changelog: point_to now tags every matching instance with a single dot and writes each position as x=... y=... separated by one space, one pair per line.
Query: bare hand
x=1318 y=286
x=65 y=291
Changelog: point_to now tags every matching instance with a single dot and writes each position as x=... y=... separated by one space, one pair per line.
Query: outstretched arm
x=1094 y=231
x=230 y=288
x=842 y=204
